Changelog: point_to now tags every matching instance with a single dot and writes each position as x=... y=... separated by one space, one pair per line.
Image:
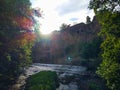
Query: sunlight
x=45 y=32
x=58 y=12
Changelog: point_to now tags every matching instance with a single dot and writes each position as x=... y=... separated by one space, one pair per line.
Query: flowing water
x=67 y=74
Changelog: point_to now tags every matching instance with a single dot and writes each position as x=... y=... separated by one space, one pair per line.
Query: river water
x=67 y=74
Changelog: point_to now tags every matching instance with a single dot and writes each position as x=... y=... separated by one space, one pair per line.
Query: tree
x=108 y=14
x=88 y=20
x=16 y=39
x=101 y=5
x=64 y=26
x=91 y=49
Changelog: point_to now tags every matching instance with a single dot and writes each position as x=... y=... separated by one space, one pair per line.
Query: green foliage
x=44 y=80
x=108 y=15
x=110 y=67
x=16 y=39
x=110 y=23
x=86 y=50
x=101 y=5
x=91 y=49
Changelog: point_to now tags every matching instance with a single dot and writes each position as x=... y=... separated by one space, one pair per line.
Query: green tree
x=108 y=14
x=91 y=49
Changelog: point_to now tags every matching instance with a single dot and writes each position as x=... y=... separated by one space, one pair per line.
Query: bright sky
x=57 y=12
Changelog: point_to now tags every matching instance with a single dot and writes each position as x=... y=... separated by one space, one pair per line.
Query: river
x=67 y=74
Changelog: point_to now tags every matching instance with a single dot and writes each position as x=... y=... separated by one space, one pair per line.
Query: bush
x=91 y=49
x=44 y=80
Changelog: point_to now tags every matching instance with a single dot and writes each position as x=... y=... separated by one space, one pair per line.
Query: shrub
x=44 y=80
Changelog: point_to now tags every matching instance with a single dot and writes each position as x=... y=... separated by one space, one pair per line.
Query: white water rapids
x=68 y=69
x=63 y=71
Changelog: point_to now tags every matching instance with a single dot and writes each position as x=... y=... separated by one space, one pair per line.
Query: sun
x=45 y=32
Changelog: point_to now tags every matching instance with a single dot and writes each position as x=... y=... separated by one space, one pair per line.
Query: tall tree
x=108 y=14
x=16 y=38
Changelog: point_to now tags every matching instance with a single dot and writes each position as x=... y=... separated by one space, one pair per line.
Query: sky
x=57 y=12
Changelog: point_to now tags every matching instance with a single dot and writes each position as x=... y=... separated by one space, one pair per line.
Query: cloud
x=72 y=6
x=56 y=12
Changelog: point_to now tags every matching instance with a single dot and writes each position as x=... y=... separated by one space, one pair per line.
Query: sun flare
x=55 y=13
x=46 y=32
